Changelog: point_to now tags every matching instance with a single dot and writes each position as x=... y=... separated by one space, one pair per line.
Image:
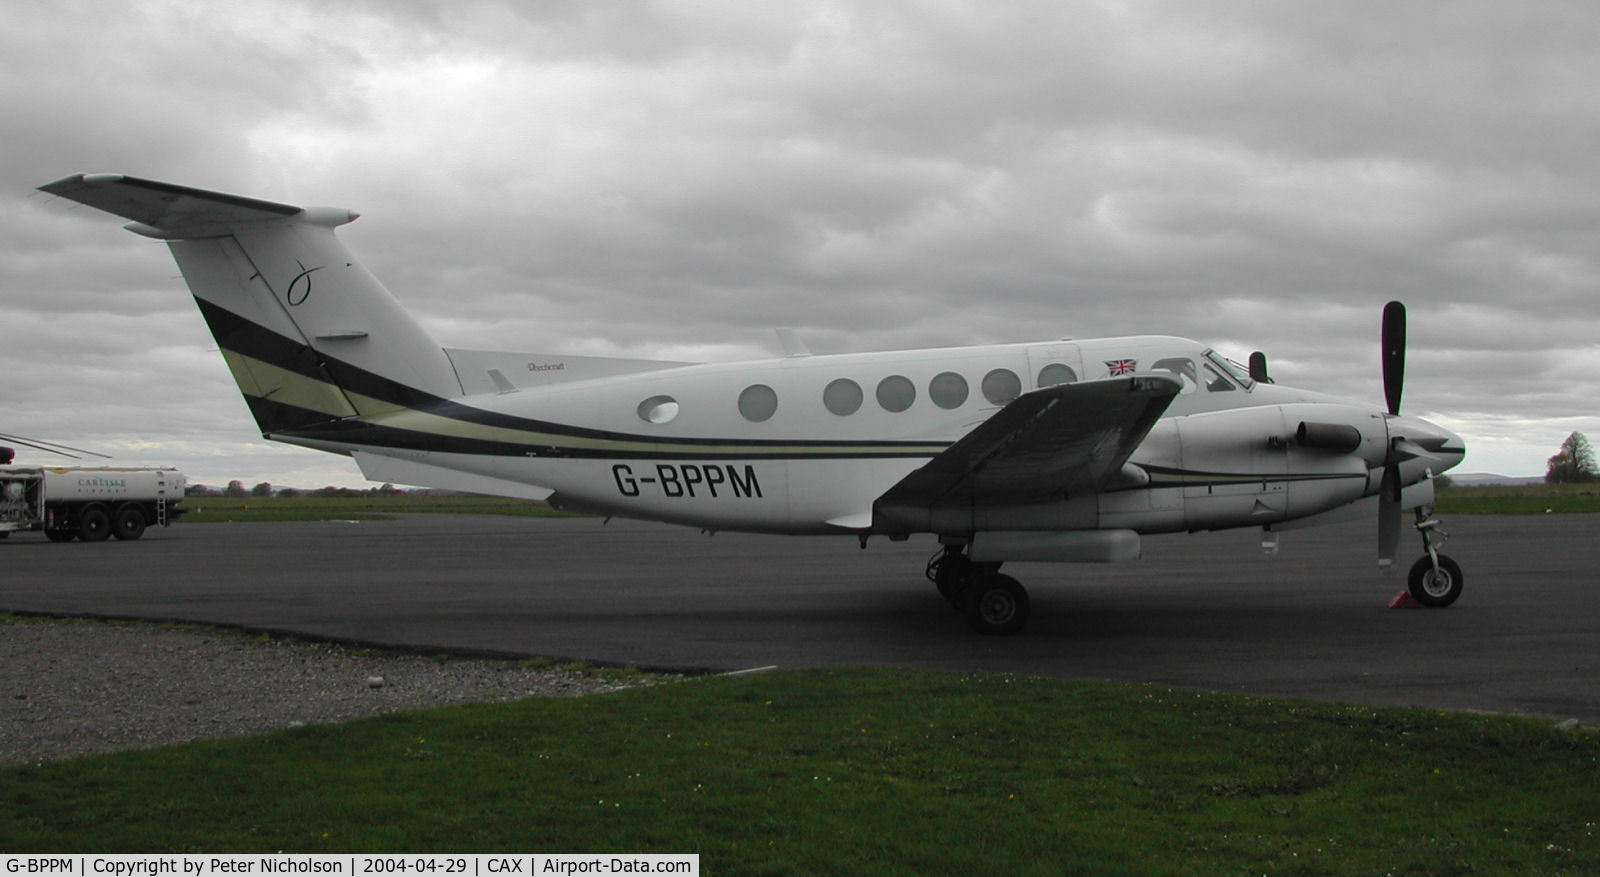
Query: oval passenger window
x=758 y=402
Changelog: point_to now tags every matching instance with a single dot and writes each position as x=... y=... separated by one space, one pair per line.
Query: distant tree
x=200 y=490
x=288 y=491
x=1574 y=463
x=235 y=488
x=387 y=490
x=262 y=489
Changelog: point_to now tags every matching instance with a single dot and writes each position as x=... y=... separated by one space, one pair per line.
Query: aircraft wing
x=1066 y=439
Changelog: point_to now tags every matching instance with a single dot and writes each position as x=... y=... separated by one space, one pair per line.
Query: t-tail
x=311 y=336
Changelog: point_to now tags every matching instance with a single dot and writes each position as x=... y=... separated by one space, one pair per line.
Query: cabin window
x=758 y=403
x=1057 y=373
x=896 y=393
x=842 y=397
x=948 y=390
x=1001 y=386
x=658 y=409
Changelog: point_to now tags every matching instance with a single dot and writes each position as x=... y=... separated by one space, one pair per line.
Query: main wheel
x=996 y=604
x=1435 y=588
x=94 y=524
x=128 y=523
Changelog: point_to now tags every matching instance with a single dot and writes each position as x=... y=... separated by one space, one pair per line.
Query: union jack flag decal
x=1121 y=366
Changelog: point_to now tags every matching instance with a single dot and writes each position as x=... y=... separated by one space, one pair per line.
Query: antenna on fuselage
x=1258 y=368
x=790 y=341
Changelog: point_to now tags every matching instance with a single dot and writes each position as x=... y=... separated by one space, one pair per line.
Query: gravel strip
x=74 y=688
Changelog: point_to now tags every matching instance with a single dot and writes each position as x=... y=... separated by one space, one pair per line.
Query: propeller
x=1394 y=354
x=1394 y=378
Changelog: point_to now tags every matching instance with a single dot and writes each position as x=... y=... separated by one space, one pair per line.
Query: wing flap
x=1047 y=444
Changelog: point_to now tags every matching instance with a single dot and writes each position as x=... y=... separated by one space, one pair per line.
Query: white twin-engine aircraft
x=1057 y=451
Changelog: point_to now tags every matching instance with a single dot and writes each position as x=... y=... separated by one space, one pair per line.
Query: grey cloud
x=656 y=178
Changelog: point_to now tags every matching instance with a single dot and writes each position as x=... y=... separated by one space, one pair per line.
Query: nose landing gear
x=1435 y=580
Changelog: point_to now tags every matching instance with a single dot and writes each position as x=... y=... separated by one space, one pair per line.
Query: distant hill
x=1485 y=479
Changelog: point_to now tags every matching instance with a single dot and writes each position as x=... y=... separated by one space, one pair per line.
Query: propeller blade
x=1394 y=353
x=1388 y=516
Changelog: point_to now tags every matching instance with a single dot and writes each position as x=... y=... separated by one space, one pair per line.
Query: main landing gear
x=1435 y=580
x=993 y=603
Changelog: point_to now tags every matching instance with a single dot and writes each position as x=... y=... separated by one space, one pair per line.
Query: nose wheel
x=1435 y=580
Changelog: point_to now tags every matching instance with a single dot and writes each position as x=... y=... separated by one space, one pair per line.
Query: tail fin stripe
x=298 y=392
x=243 y=337
x=238 y=335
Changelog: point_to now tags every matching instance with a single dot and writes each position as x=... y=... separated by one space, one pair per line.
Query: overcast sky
x=673 y=180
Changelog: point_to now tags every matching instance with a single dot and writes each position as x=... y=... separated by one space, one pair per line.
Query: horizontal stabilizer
x=171 y=211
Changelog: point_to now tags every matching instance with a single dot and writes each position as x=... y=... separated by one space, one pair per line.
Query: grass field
x=864 y=772
x=1533 y=499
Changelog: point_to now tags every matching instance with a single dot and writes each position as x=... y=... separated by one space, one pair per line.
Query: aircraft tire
x=997 y=605
x=128 y=523
x=94 y=524
x=1435 y=590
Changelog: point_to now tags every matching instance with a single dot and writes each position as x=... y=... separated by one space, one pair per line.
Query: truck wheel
x=94 y=524
x=129 y=522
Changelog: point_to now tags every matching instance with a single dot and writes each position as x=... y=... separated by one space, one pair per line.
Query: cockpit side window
x=1215 y=382
x=1230 y=371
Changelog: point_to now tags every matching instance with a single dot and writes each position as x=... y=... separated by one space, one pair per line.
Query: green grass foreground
x=376 y=507
x=1533 y=499
x=865 y=772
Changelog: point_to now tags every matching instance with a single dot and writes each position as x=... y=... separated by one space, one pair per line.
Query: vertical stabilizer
x=309 y=334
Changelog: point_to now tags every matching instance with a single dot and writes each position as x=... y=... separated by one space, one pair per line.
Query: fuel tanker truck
x=87 y=503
